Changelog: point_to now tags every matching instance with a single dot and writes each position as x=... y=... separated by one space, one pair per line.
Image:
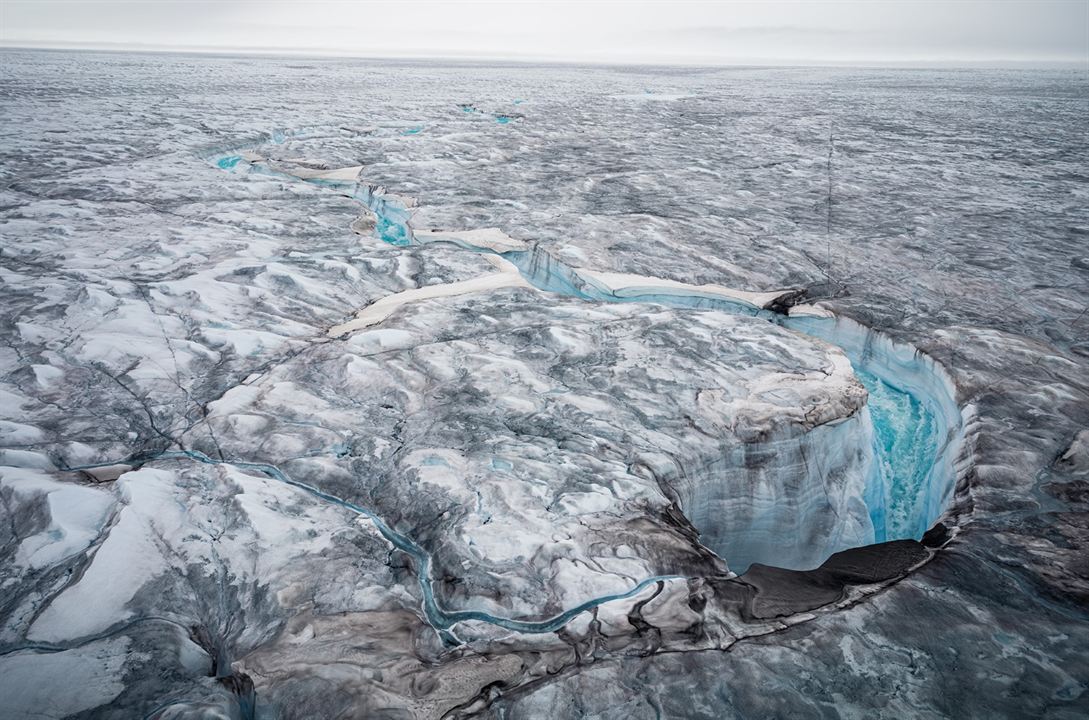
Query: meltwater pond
x=229 y=162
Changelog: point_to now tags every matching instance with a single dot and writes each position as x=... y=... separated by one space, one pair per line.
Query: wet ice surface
x=494 y=502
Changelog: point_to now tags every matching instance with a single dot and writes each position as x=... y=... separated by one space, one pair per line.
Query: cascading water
x=905 y=439
x=917 y=426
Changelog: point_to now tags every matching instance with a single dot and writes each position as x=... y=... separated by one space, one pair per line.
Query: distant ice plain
x=147 y=291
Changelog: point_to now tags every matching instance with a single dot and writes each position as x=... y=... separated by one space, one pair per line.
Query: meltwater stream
x=440 y=619
x=917 y=422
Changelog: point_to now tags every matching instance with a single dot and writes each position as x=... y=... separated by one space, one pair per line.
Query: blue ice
x=228 y=163
x=392 y=231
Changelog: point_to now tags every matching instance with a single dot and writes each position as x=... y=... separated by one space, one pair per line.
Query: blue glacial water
x=392 y=217
x=393 y=230
x=911 y=480
x=229 y=162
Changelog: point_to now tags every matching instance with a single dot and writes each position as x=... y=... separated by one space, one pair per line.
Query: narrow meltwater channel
x=442 y=620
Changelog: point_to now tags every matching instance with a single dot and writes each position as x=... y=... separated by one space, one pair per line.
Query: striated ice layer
x=790 y=500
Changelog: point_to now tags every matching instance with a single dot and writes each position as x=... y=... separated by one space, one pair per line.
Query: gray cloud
x=892 y=30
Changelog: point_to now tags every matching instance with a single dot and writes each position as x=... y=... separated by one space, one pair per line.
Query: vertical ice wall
x=790 y=500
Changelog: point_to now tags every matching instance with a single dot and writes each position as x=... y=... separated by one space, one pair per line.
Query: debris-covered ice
x=344 y=390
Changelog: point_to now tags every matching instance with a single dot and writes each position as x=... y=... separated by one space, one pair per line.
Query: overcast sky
x=589 y=30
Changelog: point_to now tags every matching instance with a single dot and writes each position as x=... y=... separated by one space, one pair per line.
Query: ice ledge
x=628 y=285
x=483 y=238
x=382 y=308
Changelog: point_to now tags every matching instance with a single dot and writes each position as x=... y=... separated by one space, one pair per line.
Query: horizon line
x=449 y=55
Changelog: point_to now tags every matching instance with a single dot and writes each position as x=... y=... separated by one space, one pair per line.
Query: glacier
x=652 y=401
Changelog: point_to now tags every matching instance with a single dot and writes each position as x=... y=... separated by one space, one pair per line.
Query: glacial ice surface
x=509 y=502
